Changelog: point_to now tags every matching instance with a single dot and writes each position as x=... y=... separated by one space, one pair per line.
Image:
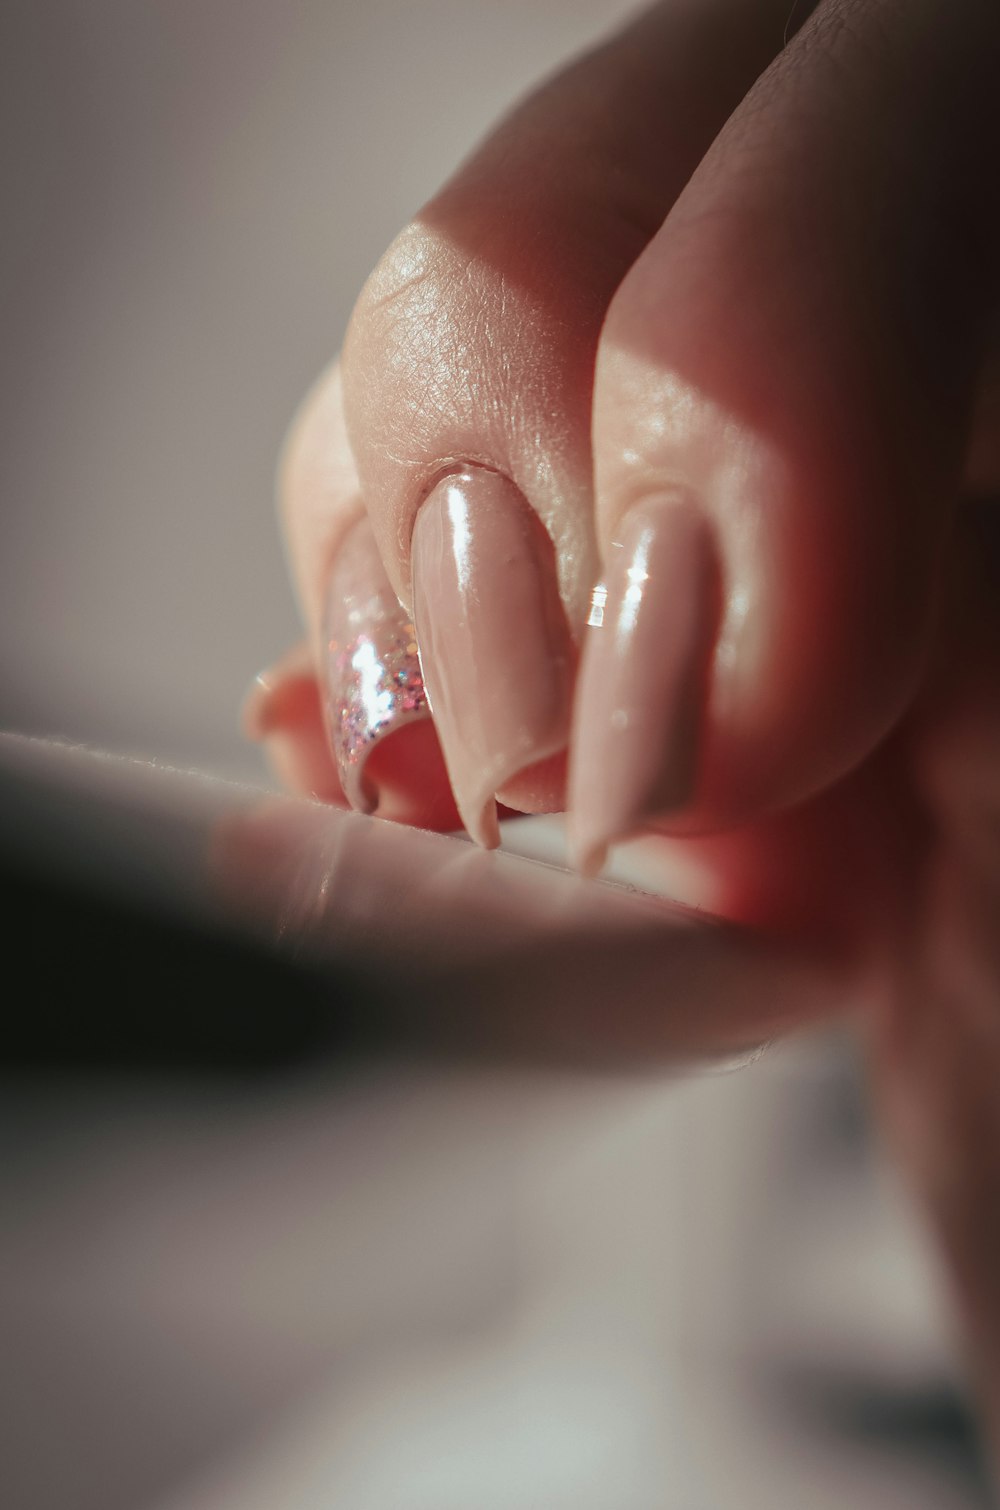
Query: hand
x=712 y=320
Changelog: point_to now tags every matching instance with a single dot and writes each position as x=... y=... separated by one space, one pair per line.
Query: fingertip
x=283 y=695
x=406 y=780
x=538 y=788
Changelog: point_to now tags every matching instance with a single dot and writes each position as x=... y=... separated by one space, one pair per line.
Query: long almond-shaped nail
x=494 y=642
x=641 y=680
x=374 y=683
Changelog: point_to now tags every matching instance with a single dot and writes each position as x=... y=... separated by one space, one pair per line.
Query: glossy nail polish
x=374 y=685
x=495 y=647
x=642 y=677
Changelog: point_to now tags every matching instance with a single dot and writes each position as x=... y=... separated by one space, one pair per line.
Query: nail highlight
x=495 y=647
x=374 y=682
x=642 y=676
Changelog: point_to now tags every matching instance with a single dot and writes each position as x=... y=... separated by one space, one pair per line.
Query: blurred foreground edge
x=167 y=919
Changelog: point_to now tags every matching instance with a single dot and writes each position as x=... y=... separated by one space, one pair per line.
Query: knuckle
x=405 y=317
x=408 y=342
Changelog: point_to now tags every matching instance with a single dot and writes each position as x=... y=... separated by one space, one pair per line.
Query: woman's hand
x=710 y=321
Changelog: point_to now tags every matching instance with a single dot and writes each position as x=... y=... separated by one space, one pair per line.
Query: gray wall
x=193 y=192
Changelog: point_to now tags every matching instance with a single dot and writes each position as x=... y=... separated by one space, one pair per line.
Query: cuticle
x=431 y=478
x=650 y=490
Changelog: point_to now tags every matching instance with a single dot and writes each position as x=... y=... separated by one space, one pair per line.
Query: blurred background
x=194 y=192
x=400 y=1289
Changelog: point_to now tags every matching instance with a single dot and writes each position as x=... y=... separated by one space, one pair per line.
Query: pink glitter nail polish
x=374 y=684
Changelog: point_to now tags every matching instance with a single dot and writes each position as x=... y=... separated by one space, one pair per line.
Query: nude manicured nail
x=641 y=680
x=374 y=684
x=494 y=643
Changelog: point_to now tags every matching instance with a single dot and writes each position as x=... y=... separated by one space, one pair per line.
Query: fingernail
x=374 y=686
x=642 y=674
x=283 y=712
x=276 y=694
x=494 y=643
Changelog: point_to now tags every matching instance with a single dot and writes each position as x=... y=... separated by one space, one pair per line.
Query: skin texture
x=765 y=276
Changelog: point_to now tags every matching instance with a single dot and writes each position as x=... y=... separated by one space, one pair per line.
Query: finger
x=346 y=716
x=499 y=956
x=783 y=392
x=284 y=714
x=285 y=711
x=468 y=373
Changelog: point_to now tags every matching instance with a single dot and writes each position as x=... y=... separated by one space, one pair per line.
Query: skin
x=770 y=272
